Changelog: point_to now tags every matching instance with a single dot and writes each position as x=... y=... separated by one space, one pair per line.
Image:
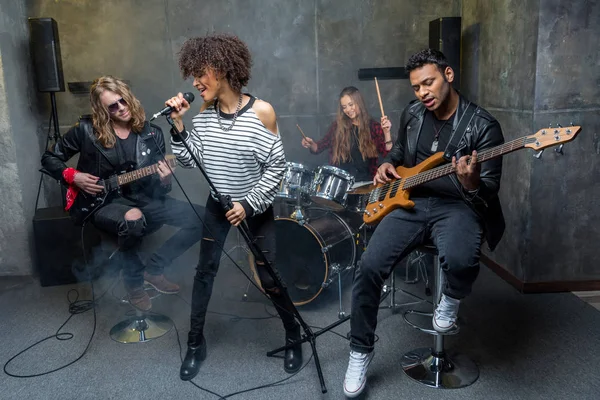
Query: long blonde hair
x=101 y=117
x=342 y=140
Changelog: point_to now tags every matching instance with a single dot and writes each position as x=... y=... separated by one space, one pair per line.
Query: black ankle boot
x=191 y=362
x=292 y=360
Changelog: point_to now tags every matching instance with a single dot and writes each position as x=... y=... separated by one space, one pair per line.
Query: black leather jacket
x=483 y=132
x=103 y=162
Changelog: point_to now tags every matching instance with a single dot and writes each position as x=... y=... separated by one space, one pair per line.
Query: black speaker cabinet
x=444 y=35
x=45 y=53
x=59 y=254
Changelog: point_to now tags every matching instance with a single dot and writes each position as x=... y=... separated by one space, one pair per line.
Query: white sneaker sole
x=439 y=329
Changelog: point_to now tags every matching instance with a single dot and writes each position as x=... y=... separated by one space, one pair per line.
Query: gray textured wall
x=19 y=140
x=534 y=63
x=305 y=52
x=529 y=62
x=499 y=64
x=565 y=190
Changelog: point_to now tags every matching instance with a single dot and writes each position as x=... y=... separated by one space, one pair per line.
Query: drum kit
x=319 y=227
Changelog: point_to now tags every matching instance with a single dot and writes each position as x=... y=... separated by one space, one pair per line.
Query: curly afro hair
x=225 y=54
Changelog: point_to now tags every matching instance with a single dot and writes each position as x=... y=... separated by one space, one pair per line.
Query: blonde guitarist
x=456 y=212
x=117 y=138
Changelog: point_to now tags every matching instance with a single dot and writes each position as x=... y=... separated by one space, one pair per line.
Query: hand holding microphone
x=176 y=106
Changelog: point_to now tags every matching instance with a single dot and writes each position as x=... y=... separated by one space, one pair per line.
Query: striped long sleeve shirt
x=246 y=162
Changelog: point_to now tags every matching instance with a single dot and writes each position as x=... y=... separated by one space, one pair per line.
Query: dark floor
x=526 y=346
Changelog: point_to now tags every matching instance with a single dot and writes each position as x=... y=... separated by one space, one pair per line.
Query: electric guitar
x=86 y=204
x=395 y=194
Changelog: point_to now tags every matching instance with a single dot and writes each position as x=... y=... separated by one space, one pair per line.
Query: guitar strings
x=415 y=180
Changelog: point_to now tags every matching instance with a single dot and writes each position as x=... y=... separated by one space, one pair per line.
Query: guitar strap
x=461 y=128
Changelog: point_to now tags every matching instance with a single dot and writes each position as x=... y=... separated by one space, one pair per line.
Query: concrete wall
x=565 y=190
x=530 y=63
x=533 y=63
x=20 y=142
x=305 y=52
x=499 y=64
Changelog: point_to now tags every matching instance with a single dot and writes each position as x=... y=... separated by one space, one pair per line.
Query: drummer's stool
x=432 y=366
x=138 y=326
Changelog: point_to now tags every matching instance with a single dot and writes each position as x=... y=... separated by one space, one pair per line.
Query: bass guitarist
x=117 y=138
x=455 y=212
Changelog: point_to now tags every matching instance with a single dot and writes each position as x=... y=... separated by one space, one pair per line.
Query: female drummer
x=354 y=140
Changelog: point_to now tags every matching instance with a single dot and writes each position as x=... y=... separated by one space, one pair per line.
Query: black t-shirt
x=356 y=166
x=126 y=151
x=442 y=130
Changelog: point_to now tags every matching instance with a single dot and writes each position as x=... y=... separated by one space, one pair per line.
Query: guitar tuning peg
x=559 y=149
x=539 y=155
x=559 y=125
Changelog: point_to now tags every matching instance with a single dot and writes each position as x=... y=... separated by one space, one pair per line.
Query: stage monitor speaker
x=45 y=53
x=58 y=246
x=444 y=35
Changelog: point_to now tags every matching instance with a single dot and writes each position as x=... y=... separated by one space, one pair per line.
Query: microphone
x=189 y=97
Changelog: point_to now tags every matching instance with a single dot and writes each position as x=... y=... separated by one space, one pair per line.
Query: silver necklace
x=235 y=115
x=434 y=145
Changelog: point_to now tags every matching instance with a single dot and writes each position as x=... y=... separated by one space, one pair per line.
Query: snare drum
x=330 y=186
x=296 y=182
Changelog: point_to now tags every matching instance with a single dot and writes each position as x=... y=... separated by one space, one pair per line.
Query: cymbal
x=364 y=189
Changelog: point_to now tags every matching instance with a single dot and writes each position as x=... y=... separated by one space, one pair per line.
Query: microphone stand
x=309 y=336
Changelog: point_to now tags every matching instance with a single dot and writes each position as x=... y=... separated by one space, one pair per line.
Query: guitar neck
x=448 y=169
x=132 y=176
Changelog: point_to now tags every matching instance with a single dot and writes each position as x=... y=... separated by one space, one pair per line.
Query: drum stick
x=300 y=129
x=379 y=97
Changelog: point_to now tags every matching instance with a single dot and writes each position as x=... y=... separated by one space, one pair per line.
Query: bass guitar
x=395 y=194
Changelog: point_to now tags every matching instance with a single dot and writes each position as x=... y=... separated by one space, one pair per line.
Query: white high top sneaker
x=356 y=374
x=444 y=317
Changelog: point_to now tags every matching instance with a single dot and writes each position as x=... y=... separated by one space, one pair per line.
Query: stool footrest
x=443 y=371
x=429 y=331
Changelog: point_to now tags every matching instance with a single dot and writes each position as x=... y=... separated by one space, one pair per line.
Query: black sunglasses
x=114 y=107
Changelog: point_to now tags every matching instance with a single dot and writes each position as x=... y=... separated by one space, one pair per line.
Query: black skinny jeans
x=455 y=230
x=262 y=227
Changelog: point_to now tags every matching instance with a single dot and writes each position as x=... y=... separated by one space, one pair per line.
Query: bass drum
x=309 y=254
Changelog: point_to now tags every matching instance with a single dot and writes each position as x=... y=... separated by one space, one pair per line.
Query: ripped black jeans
x=156 y=213
x=262 y=227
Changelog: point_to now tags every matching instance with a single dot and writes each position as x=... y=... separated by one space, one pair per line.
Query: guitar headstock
x=551 y=137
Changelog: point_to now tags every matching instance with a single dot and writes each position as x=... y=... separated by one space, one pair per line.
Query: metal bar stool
x=433 y=366
x=141 y=326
